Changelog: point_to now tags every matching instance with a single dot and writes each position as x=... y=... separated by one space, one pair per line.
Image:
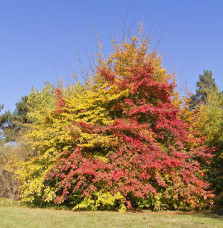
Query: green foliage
x=205 y=85
x=14 y=124
x=6 y=202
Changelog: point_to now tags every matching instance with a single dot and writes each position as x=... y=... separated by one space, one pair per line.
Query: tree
x=9 y=183
x=205 y=85
x=118 y=143
x=14 y=124
x=206 y=119
x=211 y=115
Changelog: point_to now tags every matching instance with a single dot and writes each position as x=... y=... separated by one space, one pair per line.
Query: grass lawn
x=15 y=216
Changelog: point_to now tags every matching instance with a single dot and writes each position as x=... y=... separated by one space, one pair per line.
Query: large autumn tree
x=117 y=142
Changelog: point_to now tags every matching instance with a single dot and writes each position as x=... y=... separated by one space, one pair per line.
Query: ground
x=18 y=216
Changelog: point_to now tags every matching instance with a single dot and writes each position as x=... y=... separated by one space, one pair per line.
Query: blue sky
x=36 y=44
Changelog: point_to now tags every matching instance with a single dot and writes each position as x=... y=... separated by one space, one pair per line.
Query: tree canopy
x=115 y=142
x=12 y=124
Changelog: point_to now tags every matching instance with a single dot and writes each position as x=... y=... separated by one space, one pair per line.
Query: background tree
x=9 y=183
x=205 y=85
x=13 y=124
x=204 y=113
x=211 y=116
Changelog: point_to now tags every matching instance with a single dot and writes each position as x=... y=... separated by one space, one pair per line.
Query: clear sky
x=36 y=44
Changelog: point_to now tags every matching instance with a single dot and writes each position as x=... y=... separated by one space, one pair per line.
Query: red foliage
x=60 y=103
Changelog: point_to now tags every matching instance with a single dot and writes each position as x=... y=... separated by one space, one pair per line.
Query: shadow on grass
x=211 y=215
x=216 y=213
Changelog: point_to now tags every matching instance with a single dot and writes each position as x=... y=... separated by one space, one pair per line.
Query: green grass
x=15 y=216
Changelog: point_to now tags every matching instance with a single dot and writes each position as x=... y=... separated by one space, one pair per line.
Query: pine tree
x=12 y=123
x=204 y=86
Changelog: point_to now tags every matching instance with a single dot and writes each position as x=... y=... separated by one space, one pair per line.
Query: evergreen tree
x=204 y=86
x=11 y=124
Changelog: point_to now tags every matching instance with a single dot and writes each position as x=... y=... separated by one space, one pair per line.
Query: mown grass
x=15 y=216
